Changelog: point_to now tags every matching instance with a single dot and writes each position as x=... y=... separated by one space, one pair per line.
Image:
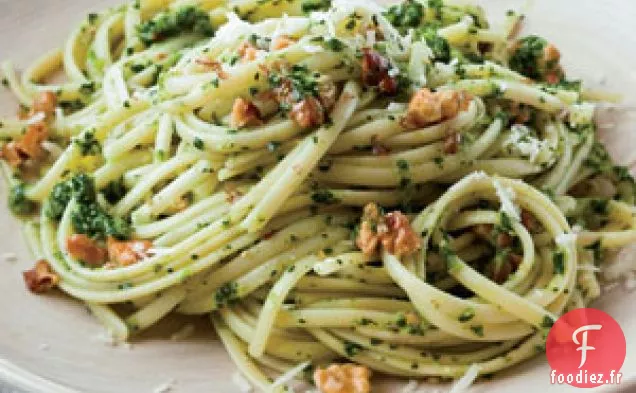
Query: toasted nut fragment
x=504 y=240
x=308 y=113
x=212 y=65
x=125 y=253
x=41 y=278
x=551 y=53
x=401 y=239
x=528 y=221
x=327 y=94
x=515 y=260
x=44 y=102
x=31 y=143
x=343 y=378
x=520 y=113
x=371 y=227
x=29 y=147
x=282 y=42
x=85 y=249
x=247 y=51
x=11 y=154
x=245 y=114
x=375 y=72
x=412 y=319
x=484 y=231
x=451 y=143
x=427 y=108
x=502 y=274
x=393 y=231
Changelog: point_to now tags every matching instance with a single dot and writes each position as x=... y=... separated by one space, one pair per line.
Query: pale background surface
x=55 y=338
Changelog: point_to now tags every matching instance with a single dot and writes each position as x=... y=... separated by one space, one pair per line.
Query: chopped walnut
x=521 y=114
x=375 y=72
x=212 y=65
x=412 y=319
x=428 y=108
x=451 y=143
x=41 y=278
x=44 y=102
x=28 y=147
x=11 y=154
x=343 y=378
x=551 y=54
x=401 y=239
x=504 y=240
x=500 y=276
x=327 y=94
x=244 y=114
x=551 y=58
x=484 y=231
x=308 y=113
x=85 y=249
x=393 y=231
x=31 y=143
x=247 y=51
x=282 y=42
x=528 y=221
x=125 y=253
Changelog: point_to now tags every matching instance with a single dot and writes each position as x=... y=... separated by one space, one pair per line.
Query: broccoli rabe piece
x=406 y=15
x=168 y=24
x=438 y=44
x=58 y=199
x=315 y=5
x=528 y=56
x=19 y=204
x=88 y=217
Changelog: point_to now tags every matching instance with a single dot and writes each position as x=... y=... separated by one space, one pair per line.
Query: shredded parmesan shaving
x=464 y=382
x=290 y=375
x=506 y=196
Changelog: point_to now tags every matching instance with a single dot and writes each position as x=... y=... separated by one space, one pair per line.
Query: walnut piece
x=124 y=253
x=244 y=114
x=29 y=147
x=41 y=278
x=247 y=51
x=308 y=113
x=343 y=378
x=282 y=42
x=393 y=231
x=427 y=108
x=375 y=72
x=85 y=249
x=44 y=102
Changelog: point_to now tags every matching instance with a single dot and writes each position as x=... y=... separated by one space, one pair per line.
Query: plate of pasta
x=335 y=196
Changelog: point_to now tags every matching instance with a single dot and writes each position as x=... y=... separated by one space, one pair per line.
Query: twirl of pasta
x=406 y=188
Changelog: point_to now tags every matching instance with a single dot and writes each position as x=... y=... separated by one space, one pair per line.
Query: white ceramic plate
x=54 y=337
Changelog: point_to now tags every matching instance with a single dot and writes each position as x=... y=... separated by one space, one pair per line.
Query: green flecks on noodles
x=168 y=24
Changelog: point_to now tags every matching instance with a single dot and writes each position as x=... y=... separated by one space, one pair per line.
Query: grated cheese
x=524 y=143
x=506 y=196
x=290 y=375
x=465 y=381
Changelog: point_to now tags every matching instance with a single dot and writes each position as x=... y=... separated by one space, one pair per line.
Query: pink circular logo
x=586 y=348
